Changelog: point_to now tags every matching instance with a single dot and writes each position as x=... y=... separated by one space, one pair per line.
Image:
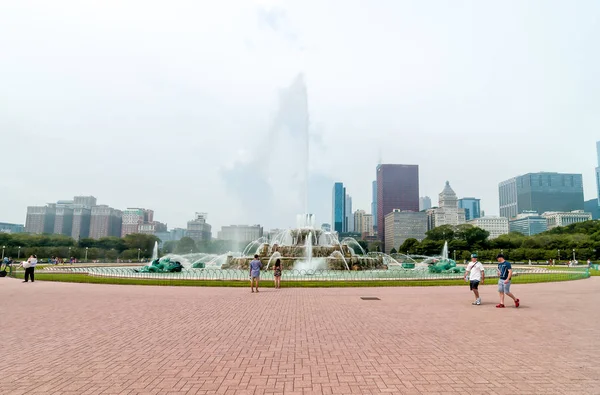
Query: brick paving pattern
x=60 y=338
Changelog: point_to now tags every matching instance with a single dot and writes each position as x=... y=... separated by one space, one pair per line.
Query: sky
x=174 y=106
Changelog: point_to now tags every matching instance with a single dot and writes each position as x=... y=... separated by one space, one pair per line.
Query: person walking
x=504 y=277
x=255 y=266
x=277 y=273
x=30 y=269
x=476 y=274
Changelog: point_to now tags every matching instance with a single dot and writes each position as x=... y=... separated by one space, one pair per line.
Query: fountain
x=155 y=251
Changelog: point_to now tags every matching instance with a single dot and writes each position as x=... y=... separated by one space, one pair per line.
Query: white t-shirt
x=475 y=269
x=32 y=262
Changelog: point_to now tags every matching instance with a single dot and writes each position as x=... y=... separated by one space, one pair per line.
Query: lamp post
x=86 y=249
x=454 y=255
x=139 y=250
x=3 y=247
x=559 y=256
x=19 y=254
x=573 y=255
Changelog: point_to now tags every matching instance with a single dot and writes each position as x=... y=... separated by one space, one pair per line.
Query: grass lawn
x=84 y=278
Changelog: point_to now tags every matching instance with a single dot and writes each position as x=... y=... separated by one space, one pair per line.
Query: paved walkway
x=60 y=338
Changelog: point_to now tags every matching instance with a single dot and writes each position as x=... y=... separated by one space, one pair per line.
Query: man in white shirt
x=476 y=274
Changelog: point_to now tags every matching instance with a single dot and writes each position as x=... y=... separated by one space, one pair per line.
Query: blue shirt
x=503 y=268
x=255 y=267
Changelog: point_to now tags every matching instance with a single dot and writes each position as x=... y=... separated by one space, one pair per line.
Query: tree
x=474 y=236
x=185 y=246
x=410 y=245
x=364 y=245
x=393 y=251
x=441 y=233
x=140 y=241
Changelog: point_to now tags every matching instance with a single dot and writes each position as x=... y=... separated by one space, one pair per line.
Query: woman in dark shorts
x=277 y=273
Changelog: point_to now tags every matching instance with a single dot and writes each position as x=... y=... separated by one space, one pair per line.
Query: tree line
x=582 y=239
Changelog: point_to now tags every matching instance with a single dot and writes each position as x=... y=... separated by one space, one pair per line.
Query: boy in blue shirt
x=504 y=276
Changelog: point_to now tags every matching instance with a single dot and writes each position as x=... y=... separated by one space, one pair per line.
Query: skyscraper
x=105 y=221
x=349 y=216
x=424 y=203
x=198 y=229
x=82 y=217
x=63 y=222
x=448 y=212
x=85 y=201
x=133 y=218
x=40 y=219
x=472 y=207
x=374 y=206
x=338 y=207
x=541 y=192
x=397 y=188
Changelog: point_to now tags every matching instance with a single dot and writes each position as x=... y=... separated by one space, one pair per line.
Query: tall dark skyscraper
x=397 y=188
x=338 y=220
x=541 y=192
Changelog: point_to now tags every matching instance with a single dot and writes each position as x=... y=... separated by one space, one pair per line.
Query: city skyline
x=462 y=96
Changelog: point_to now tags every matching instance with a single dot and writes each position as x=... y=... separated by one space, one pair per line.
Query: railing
x=333 y=277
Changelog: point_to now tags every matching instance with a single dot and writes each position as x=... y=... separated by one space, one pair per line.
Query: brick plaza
x=61 y=338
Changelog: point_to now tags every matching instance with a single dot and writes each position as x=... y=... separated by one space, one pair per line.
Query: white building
x=349 y=217
x=555 y=219
x=424 y=203
x=403 y=225
x=240 y=233
x=448 y=212
x=495 y=225
x=363 y=223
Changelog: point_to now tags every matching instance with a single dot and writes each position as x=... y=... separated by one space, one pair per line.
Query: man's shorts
x=474 y=284
x=503 y=288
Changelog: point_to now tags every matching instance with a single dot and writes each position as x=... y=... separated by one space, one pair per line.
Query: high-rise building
x=82 y=218
x=556 y=219
x=6 y=227
x=472 y=207
x=63 y=222
x=198 y=229
x=541 y=192
x=591 y=206
x=374 y=206
x=496 y=226
x=424 y=203
x=105 y=222
x=402 y=225
x=338 y=207
x=40 y=219
x=528 y=223
x=367 y=226
x=152 y=228
x=240 y=233
x=177 y=234
x=397 y=188
x=448 y=212
x=349 y=216
x=85 y=201
x=133 y=218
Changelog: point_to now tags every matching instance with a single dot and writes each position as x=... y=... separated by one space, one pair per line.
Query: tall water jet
x=445 y=251
x=308 y=250
x=154 y=252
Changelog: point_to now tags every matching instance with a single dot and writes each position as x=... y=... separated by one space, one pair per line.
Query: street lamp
x=86 y=249
x=139 y=250
x=3 y=247
x=19 y=255
x=573 y=255
x=454 y=255
x=559 y=256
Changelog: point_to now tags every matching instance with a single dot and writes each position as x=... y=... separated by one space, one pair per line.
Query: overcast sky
x=160 y=104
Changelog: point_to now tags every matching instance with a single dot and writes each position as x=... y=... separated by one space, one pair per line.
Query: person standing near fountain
x=505 y=274
x=476 y=275
x=255 y=266
x=277 y=273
